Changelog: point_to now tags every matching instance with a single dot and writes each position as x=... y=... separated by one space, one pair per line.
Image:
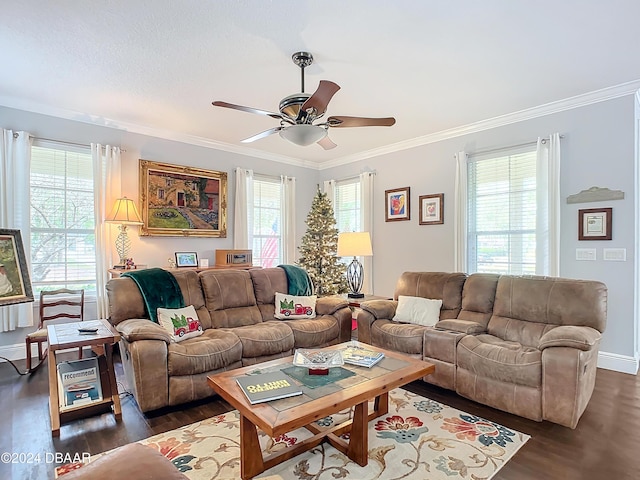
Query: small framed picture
x=396 y=203
x=186 y=259
x=15 y=285
x=432 y=209
x=594 y=224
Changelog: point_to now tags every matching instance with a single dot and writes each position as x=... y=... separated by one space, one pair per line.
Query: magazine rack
x=64 y=336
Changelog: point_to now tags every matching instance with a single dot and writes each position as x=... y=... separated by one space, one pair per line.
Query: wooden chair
x=49 y=300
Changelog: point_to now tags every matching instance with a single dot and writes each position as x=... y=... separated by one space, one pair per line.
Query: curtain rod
x=509 y=147
x=61 y=142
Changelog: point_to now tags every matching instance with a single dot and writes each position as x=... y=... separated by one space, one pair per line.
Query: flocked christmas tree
x=318 y=251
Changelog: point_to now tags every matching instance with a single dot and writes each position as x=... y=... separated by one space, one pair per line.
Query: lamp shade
x=124 y=211
x=303 y=135
x=354 y=244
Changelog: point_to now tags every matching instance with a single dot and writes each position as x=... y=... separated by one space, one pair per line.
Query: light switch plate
x=588 y=254
x=614 y=254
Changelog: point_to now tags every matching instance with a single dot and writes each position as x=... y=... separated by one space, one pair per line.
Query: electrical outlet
x=588 y=254
x=614 y=254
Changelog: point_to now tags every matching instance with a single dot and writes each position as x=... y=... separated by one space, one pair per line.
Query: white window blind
x=63 y=253
x=265 y=218
x=347 y=205
x=502 y=213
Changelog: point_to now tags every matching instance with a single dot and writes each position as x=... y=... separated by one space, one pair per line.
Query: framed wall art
x=431 y=209
x=15 y=285
x=182 y=201
x=595 y=223
x=397 y=204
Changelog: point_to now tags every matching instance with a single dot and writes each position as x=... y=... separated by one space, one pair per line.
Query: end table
x=66 y=335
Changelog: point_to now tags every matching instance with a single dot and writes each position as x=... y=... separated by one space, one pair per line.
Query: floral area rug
x=418 y=439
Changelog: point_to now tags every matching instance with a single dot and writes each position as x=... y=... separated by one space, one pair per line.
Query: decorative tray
x=317 y=359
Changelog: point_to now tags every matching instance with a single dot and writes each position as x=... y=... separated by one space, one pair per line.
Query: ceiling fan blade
x=360 y=122
x=246 y=109
x=321 y=97
x=326 y=143
x=260 y=135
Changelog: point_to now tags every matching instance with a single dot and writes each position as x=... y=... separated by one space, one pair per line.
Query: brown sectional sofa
x=523 y=344
x=236 y=309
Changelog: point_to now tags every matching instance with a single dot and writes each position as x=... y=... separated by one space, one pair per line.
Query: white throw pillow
x=292 y=306
x=418 y=310
x=181 y=323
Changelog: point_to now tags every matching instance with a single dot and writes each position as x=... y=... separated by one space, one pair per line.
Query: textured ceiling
x=434 y=65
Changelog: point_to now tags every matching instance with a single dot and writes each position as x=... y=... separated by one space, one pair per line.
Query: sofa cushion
x=506 y=361
x=267 y=338
x=314 y=333
x=399 y=337
x=229 y=298
x=295 y=306
x=180 y=323
x=418 y=310
x=437 y=285
x=213 y=350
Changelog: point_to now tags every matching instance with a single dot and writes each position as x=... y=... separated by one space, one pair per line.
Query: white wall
x=154 y=251
x=598 y=150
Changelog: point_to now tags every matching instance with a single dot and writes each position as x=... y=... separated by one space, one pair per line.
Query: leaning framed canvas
x=595 y=224
x=431 y=209
x=396 y=204
x=15 y=285
x=182 y=201
x=186 y=259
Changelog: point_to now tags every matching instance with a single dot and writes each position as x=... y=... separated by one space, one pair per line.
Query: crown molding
x=609 y=93
x=570 y=103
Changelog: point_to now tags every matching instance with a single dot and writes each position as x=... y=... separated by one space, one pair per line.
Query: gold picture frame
x=181 y=201
x=15 y=285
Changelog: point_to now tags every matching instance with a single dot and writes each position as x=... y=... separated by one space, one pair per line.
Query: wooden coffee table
x=282 y=416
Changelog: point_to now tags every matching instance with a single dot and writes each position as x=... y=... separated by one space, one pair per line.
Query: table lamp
x=125 y=213
x=356 y=244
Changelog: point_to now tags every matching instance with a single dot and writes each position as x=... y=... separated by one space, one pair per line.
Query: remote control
x=88 y=329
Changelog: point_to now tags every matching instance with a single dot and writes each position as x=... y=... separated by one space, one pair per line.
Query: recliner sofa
x=527 y=345
x=236 y=309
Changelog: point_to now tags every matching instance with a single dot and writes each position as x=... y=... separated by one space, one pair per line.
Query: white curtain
x=329 y=187
x=288 y=220
x=15 y=165
x=366 y=221
x=107 y=188
x=460 y=224
x=242 y=221
x=548 y=206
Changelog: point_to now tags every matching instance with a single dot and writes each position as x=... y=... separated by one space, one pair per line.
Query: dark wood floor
x=605 y=445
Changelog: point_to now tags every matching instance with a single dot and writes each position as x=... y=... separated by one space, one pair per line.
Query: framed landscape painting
x=396 y=204
x=15 y=285
x=182 y=201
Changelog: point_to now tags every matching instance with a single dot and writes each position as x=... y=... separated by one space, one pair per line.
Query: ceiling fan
x=300 y=110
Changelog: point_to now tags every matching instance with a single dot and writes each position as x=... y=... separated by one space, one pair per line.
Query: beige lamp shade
x=354 y=244
x=124 y=211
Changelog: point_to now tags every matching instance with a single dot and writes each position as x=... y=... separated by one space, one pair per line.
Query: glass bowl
x=317 y=359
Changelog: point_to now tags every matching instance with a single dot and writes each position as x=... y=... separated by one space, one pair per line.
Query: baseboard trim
x=618 y=363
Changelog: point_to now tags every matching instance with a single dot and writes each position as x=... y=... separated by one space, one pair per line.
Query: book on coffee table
x=361 y=356
x=265 y=387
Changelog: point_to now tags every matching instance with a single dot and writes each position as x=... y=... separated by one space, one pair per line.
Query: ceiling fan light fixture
x=303 y=135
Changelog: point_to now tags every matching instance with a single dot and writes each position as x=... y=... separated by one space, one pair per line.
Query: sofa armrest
x=136 y=329
x=380 y=308
x=462 y=326
x=582 y=338
x=330 y=305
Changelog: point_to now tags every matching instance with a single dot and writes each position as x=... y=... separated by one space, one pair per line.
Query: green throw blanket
x=298 y=280
x=158 y=288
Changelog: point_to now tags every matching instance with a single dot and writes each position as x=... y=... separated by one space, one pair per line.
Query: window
x=265 y=218
x=347 y=205
x=63 y=252
x=502 y=213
